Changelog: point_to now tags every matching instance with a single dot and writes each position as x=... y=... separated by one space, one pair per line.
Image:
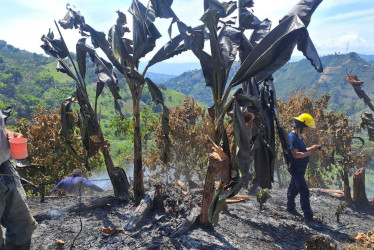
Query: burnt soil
x=241 y=226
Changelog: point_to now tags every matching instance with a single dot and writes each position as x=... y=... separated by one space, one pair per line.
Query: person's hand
x=12 y=134
x=18 y=135
x=314 y=148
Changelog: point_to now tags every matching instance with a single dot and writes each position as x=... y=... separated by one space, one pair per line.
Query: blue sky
x=336 y=26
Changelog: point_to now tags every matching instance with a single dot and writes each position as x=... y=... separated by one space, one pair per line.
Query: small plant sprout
x=262 y=197
x=339 y=211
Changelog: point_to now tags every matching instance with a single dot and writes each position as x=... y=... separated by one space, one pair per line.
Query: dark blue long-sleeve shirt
x=297 y=166
x=76 y=185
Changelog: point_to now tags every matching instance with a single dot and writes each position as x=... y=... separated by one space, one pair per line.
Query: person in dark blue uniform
x=299 y=159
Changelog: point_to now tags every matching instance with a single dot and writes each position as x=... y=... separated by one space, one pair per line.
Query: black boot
x=25 y=246
x=294 y=212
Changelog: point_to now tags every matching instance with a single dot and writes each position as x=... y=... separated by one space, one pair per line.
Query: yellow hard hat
x=307 y=119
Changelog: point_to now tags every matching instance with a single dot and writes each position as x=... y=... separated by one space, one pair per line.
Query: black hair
x=77 y=172
x=298 y=124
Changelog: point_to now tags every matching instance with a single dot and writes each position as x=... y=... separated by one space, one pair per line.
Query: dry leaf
x=237 y=198
x=107 y=230
x=273 y=212
x=364 y=237
x=180 y=183
x=353 y=80
x=59 y=243
x=219 y=158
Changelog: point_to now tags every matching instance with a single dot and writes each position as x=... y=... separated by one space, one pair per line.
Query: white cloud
x=23 y=21
x=337 y=32
x=350 y=41
x=25 y=25
x=274 y=10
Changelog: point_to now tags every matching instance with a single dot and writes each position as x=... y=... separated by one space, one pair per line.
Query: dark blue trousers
x=298 y=186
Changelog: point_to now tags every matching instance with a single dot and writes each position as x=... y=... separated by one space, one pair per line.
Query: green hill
x=158 y=78
x=28 y=79
x=368 y=58
x=301 y=75
x=192 y=84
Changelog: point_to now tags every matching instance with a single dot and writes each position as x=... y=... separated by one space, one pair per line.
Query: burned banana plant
x=125 y=54
x=224 y=44
x=253 y=112
x=260 y=59
x=367 y=120
x=91 y=134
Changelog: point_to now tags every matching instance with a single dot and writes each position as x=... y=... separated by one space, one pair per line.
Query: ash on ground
x=242 y=226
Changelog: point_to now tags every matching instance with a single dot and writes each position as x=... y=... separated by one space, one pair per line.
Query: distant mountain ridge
x=159 y=78
x=169 y=68
x=300 y=75
x=368 y=58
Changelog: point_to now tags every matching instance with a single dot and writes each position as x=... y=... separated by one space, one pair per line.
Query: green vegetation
x=339 y=211
x=28 y=80
x=262 y=197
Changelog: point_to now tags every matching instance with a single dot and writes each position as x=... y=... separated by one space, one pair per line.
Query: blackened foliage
x=159 y=99
x=247 y=20
x=54 y=47
x=368 y=122
x=163 y=9
x=145 y=32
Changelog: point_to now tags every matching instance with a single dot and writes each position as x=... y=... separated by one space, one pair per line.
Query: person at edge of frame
x=14 y=212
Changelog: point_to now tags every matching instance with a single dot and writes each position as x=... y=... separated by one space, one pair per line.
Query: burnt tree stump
x=141 y=211
x=359 y=193
x=187 y=223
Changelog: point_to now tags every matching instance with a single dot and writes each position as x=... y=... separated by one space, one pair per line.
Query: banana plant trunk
x=210 y=178
x=138 y=165
x=207 y=194
x=117 y=176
